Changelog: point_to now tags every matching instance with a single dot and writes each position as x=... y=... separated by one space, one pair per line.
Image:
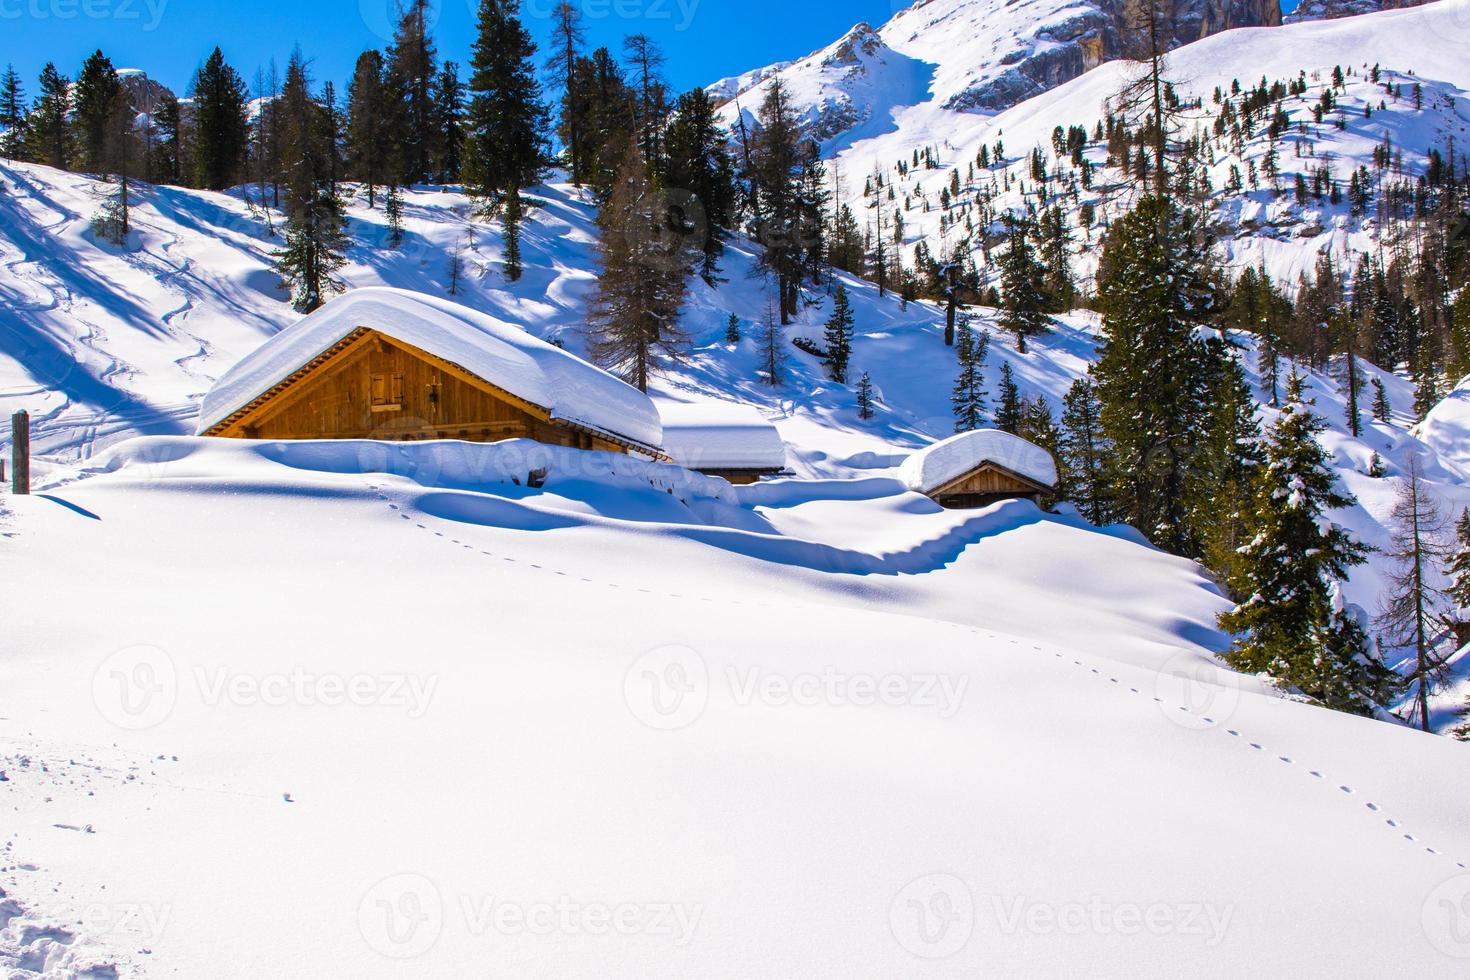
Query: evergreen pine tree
x=393 y=214
x=49 y=139
x=1426 y=378
x=1154 y=374
x=969 y=397
x=506 y=123
x=1009 y=410
x=1039 y=426
x=367 y=124
x=95 y=99
x=1294 y=623
x=1382 y=410
x=701 y=177
x=865 y=397
x=316 y=241
x=732 y=329
x=513 y=267
x=839 y=336
x=1023 y=313
x=12 y=113
x=412 y=70
x=644 y=278
x=1083 y=450
x=221 y=128
x=449 y=124
x=1223 y=490
x=1458 y=361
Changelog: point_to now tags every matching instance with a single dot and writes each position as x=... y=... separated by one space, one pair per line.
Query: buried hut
x=723 y=439
x=979 y=468
x=379 y=363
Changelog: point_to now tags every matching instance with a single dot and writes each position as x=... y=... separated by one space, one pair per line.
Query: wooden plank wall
x=381 y=391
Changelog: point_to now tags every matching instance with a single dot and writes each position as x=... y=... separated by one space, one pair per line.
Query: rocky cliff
x=1333 y=9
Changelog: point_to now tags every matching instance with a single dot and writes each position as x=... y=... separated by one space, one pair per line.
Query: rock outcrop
x=1333 y=9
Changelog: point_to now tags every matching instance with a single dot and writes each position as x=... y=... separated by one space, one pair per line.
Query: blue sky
x=705 y=39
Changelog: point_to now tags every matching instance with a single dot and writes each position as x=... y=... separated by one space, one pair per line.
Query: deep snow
x=379 y=711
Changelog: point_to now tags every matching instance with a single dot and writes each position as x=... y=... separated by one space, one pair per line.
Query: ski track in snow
x=1346 y=789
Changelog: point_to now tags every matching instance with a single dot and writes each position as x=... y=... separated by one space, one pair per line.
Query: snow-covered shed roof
x=934 y=468
x=500 y=353
x=721 y=436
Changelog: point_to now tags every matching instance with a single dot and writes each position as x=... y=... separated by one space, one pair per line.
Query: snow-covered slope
x=1423 y=46
x=103 y=345
x=339 y=710
x=969 y=55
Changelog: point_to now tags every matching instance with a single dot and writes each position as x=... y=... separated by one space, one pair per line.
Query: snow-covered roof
x=944 y=462
x=504 y=355
x=721 y=436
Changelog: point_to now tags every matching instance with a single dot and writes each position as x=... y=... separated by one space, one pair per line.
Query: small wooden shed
x=980 y=468
x=388 y=364
x=723 y=439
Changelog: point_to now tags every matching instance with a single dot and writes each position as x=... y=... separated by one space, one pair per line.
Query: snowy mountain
x=968 y=55
x=1417 y=47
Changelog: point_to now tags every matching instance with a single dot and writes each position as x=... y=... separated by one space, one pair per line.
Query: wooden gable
x=986 y=484
x=370 y=386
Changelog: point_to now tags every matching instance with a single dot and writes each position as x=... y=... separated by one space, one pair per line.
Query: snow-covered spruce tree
x=1083 y=450
x=220 y=133
x=94 y=101
x=1293 y=622
x=316 y=241
x=1039 y=426
x=368 y=117
x=732 y=329
x=865 y=397
x=1415 y=604
x=1382 y=410
x=1023 y=296
x=1224 y=484
x=699 y=168
x=512 y=223
x=393 y=213
x=505 y=134
x=316 y=222
x=449 y=119
x=1009 y=411
x=645 y=271
x=12 y=113
x=839 y=336
x=969 y=397
x=1155 y=375
x=48 y=140
x=412 y=65
x=787 y=174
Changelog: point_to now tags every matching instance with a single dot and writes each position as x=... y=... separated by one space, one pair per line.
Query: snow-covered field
x=359 y=709
x=322 y=710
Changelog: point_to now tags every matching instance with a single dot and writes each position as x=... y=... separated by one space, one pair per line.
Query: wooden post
x=20 y=453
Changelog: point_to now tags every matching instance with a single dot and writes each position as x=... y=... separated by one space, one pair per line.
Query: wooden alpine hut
x=388 y=364
x=980 y=468
x=723 y=439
